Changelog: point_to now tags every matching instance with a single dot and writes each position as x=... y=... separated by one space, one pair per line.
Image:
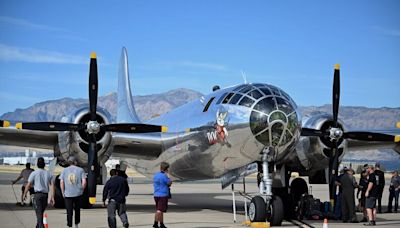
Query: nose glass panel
x=274 y=120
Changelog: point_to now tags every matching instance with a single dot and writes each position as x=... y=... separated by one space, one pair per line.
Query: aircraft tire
x=257 y=209
x=277 y=211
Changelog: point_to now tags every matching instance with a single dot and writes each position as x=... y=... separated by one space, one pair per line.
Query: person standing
x=370 y=196
x=394 y=190
x=121 y=172
x=348 y=184
x=380 y=180
x=41 y=180
x=116 y=189
x=363 y=185
x=24 y=175
x=73 y=182
x=161 y=184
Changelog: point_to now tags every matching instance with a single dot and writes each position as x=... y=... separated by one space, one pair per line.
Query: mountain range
x=149 y=106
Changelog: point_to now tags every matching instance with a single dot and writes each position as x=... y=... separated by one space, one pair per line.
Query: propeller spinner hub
x=335 y=133
x=93 y=127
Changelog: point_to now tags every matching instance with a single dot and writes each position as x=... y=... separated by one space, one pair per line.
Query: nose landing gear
x=266 y=206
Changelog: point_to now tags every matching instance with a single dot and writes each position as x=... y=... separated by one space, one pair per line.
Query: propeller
x=92 y=128
x=335 y=134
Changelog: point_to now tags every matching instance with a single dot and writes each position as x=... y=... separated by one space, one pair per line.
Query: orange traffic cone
x=325 y=223
x=45 y=221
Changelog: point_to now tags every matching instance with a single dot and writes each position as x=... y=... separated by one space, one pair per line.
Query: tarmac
x=193 y=204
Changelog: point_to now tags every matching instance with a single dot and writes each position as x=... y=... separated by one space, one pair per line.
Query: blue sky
x=45 y=48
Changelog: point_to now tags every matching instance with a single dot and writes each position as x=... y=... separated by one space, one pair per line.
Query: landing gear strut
x=266 y=206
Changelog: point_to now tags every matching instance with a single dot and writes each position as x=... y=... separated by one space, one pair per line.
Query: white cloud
x=11 y=53
x=191 y=64
x=388 y=32
x=28 y=24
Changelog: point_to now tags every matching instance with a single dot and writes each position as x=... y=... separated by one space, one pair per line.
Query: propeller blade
x=93 y=168
x=50 y=126
x=371 y=136
x=312 y=132
x=93 y=84
x=336 y=94
x=134 y=128
x=4 y=123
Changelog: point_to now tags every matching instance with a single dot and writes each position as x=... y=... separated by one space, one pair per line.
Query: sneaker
x=156 y=226
x=162 y=226
x=369 y=224
x=126 y=225
x=373 y=222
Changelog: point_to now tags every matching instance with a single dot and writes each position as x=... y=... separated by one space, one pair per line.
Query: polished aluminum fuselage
x=190 y=153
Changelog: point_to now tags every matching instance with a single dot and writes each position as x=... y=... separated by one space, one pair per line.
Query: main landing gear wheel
x=276 y=211
x=257 y=209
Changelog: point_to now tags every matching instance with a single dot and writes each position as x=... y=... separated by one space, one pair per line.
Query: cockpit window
x=259 y=85
x=208 y=104
x=284 y=105
x=226 y=99
x=255 y=94
x=246 y=89
x=275 y=90
x=239 y=87
x=235 y=98
x=246 y=102
x=221 y=98
x=266 y=105
x=266 y=91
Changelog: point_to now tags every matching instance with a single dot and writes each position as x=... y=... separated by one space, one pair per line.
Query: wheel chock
x=260 y=225
x=246 y=223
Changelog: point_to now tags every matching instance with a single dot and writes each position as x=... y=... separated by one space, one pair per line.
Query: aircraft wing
x=28 y=138
x=355 y=145
x=147 y=146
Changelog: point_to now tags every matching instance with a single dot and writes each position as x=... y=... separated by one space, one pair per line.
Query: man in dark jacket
x=380 y=179
x=348 y=184
x=116 y=189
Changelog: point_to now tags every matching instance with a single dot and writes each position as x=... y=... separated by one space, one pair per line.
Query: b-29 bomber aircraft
x=219 y=135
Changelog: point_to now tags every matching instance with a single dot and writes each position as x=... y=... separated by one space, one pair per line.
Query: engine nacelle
x=75 y=143
x=314 y=152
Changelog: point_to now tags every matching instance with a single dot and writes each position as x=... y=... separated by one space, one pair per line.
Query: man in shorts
x=161 y=184
x=370 y=197
x=24 y=175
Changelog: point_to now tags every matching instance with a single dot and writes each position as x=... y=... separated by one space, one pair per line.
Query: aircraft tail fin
x=126 y=110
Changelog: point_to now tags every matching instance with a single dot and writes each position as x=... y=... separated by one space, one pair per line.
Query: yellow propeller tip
x=92 y=200
x=164 y=128
x=18 y=125
x=93 y=55
x=397 y=138
x=337 y=66
x=6 y=123
x=398 y=125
